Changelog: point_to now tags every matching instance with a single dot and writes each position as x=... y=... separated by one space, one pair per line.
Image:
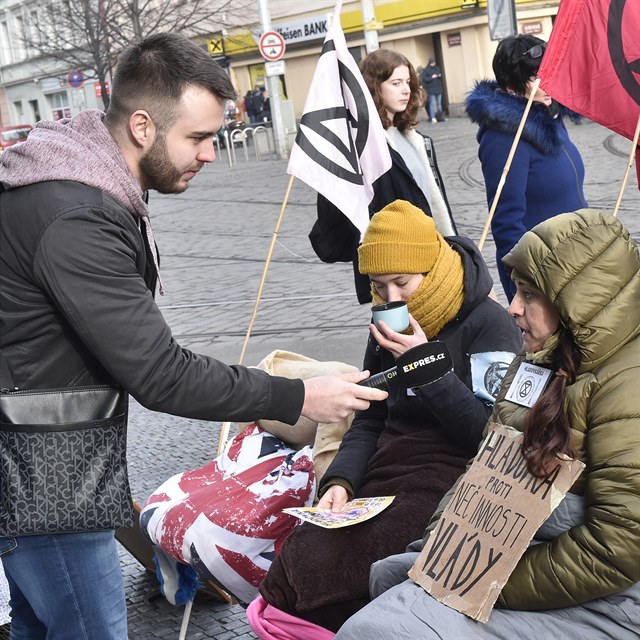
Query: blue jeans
x=435 y=100
x=65 y=587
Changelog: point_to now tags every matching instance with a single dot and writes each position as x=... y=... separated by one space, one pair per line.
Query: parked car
x=13 y=134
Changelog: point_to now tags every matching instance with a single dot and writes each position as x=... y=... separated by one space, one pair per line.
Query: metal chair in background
x=265 y=132
x=216 y=142
x=238 y=135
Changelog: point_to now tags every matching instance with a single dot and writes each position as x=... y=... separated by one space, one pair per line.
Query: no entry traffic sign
x=272 y=46
x=76 y=79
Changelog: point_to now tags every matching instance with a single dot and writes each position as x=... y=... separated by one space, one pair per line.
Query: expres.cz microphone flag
x=592 y=62
x=340 y=149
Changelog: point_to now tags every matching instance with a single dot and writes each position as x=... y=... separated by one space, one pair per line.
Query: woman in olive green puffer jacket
x=582 y=578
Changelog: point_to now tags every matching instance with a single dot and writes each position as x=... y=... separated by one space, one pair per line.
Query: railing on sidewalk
x=216 y=142
x=258 y=136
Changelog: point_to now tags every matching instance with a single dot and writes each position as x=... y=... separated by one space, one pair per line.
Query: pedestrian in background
x=546 y=176
x=78 y=271
x=414 y=175
x=266 y=106
x=431 y=78
x=250 y=107
x=256 y=101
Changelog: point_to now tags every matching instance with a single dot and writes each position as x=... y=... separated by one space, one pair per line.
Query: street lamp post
x=370 y=28
x=273 y=87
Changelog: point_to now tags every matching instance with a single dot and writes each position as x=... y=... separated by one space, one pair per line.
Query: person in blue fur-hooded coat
x=547 y=174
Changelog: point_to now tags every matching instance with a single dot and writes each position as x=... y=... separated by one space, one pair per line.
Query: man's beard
x=158 y=172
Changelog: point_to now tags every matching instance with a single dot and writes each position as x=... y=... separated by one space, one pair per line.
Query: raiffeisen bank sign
x=301 y=30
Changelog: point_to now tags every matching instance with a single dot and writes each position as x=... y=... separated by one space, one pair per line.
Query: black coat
x=433 y=86
x=449 y=404
x=335 y=239
x=77 y=308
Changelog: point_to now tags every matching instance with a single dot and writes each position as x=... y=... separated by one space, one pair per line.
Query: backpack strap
x=428 y=145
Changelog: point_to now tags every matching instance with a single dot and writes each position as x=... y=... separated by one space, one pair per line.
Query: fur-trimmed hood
x=492 y=108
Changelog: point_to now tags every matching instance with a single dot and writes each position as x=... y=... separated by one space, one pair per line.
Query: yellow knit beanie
x=399 y=239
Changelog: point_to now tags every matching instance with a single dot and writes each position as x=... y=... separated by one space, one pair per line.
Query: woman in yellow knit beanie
x=401 y=240
x=415 y=444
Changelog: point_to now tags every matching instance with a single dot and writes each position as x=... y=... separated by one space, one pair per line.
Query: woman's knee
x=389 y=572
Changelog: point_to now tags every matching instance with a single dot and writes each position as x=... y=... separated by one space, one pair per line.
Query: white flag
x=340 y=149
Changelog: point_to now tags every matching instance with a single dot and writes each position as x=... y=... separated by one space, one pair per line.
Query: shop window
x=17 y=107
x=59 y=103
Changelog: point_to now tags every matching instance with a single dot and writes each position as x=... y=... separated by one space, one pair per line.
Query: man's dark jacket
x=77 y=308
x=433 y=86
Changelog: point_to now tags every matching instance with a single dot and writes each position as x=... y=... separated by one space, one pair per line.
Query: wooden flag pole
x=507 y=166
x=634 y=147
x=224 y=428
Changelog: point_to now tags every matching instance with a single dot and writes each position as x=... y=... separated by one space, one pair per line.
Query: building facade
x=32 y=86
x=454 y=32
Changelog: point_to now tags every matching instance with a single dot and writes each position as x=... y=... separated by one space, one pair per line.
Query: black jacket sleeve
x=333 y=236
x=88 y=263
x=361 y=440
x=451 y=402
x=453 y=406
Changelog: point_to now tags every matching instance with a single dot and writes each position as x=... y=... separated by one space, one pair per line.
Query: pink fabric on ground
x=269 y=623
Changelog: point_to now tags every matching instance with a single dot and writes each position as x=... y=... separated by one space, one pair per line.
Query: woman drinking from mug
x=577 y=280
x=415 y=444
x=414 y=175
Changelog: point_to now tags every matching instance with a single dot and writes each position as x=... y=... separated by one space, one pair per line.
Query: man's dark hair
x=154 y=74
x=516 y=61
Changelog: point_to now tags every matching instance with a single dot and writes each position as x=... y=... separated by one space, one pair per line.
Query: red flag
x=592 y=62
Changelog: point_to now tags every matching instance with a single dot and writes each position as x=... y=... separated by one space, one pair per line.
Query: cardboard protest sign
x=487 y=525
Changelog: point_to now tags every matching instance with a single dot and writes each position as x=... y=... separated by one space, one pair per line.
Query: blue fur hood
x=491 y=108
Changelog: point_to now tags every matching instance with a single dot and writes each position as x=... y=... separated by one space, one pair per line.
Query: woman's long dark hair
x=547 y=432
x=377 y=67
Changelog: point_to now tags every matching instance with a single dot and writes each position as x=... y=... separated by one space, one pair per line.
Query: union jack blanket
x=225 y=519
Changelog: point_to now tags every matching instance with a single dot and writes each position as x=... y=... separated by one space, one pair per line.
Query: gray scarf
x=79 y=149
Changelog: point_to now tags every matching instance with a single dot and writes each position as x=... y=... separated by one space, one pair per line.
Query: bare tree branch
x=88 y=35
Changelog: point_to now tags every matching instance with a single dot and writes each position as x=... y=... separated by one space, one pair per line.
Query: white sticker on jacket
x=487 y=371
x=528 y=384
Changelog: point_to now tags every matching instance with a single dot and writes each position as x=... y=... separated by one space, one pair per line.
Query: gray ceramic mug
x=394 y=314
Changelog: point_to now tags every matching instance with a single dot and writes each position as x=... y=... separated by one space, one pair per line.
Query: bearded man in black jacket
x=78 y=272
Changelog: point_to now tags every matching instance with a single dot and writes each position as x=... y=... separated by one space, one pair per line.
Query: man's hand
x=397 y=343
x=334 y=498
x=333 y=398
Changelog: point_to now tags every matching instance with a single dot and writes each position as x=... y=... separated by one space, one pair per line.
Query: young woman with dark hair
x=547 y=174
x=382 y=71
x=577 y=279
x=414 y=175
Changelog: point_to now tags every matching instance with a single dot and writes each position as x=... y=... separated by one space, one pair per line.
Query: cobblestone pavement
x=214 y=239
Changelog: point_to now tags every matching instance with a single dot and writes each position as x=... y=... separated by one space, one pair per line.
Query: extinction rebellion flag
x=340 y=148
x=592 y=63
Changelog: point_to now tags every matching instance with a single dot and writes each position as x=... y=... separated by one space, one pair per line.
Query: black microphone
x=418 y=366
x=380 y=380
